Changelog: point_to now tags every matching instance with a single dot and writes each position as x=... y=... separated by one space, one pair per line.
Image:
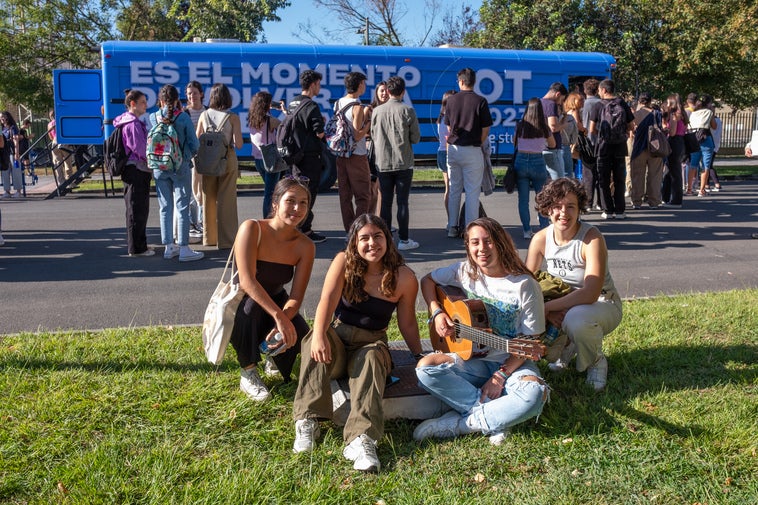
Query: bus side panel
x=506 y=78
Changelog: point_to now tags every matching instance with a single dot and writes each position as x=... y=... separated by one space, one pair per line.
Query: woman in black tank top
x=365 y=284
x=269 y=254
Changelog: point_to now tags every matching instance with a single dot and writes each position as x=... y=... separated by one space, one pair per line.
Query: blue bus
x=88 y=101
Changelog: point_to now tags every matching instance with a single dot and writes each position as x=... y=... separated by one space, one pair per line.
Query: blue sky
x=300 y=11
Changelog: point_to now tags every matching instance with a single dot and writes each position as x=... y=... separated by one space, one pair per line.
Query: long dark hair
x=169 y=96
x=443 y=106
x=533 y=125
x=375 y=102
x=506 y=251
x=356 y=267
x=259 y=109
x=9 y=119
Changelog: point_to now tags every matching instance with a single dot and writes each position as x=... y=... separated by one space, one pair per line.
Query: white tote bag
x=222 y=308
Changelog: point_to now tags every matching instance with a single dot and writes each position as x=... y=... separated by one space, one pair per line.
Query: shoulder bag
x=273 y=162
x=691 y=143
x=657 y=140
x=222 y=308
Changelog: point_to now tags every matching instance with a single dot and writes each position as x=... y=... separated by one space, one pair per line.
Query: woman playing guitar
x=493 y=390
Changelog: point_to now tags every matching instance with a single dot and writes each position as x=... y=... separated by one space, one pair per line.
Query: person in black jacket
x=309 y=134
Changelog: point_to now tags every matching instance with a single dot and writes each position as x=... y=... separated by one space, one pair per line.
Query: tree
x=384 y=17
x=185 y=19
x=38 y=36
x=457 y=27
x=680 y=45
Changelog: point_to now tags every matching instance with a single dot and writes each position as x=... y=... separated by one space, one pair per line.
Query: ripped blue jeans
x=458 y=385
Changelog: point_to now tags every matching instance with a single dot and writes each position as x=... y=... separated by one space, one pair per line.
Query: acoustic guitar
x=472 y=331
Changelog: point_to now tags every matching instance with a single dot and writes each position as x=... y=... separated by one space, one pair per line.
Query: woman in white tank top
x=576 y=253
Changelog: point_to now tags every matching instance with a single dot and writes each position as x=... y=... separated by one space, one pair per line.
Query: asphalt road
x=64 y=265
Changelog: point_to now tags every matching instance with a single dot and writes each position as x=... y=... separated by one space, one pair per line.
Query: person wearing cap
x=646 y=170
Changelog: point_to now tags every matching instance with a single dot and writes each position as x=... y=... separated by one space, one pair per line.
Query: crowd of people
x=488 y=392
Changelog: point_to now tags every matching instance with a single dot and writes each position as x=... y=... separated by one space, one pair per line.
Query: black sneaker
x=315 y=237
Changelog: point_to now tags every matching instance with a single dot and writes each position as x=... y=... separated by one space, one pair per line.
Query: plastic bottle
x=273 y=345
x=551 y=334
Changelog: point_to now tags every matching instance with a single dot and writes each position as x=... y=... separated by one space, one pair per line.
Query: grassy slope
x=137 y=416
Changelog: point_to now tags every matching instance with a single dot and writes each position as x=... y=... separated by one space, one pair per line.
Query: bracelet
x=502 y=374
x=504 y=371
x=434 y=315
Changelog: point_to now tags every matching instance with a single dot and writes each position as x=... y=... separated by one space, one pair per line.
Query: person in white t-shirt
x=576 y=252
x=493 y=390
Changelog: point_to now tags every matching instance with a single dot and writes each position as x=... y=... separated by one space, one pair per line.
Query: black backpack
x=289 y=150
x=114 y=152
x=613 y=125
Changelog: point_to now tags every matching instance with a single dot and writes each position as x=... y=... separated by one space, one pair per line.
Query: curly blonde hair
x=356 y=267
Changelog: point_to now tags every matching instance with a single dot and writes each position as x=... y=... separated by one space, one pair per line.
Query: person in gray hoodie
x=136 y=175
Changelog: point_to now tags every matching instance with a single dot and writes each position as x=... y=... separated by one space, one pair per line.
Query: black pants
x=137 y=200
x=252 y=324
x=396 y=182
x=611 y=169
x=590 y=182
x=671 y=188
x=310 y=166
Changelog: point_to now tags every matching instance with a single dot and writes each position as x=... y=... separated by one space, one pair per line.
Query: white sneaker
x=17 y=194
x=528 y=234
x=252 y=385
x=448 y=425
x=306 y=433
x=453 y=232
x=567 y=354
x=499 y=438
x=187 y=254
x=269 y=368
x=405 y=245
x=172 y=251
x=362 y=451
x=597 y=374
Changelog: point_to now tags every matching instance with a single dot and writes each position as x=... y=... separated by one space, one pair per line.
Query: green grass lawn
x=138 y=416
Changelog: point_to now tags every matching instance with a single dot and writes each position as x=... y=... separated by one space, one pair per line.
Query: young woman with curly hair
x=365 y=284
x=575 y=251
x=493 y=390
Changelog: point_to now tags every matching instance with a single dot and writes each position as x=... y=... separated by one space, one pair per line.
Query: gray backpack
x=211 y=155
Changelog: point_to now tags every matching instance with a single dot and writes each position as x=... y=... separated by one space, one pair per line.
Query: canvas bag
x=339 y=133
x=272 y=160
x=657 y=140
x=211 y=154
x=164 y=152
x=218 y=321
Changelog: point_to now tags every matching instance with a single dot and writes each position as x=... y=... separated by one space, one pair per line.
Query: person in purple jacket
x=136 y=175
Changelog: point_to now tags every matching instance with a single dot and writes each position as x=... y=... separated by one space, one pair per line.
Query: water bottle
x=273 y=345
x=551 y=334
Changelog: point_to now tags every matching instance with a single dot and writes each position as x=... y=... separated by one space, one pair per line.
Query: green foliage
x=661 y=47
x=37 y=37
x=229 y=19
x=138 y=416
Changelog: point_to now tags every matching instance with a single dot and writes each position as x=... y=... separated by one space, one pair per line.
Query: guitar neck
x=482 y=337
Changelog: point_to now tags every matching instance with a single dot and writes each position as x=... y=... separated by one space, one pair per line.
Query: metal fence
x=737 y=128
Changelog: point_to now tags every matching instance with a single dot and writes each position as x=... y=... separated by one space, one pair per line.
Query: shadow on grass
x=633 y=375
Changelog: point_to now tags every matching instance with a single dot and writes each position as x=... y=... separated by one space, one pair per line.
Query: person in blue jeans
x=263 y=131
x=493 y=390
x=174 y=187
x=702 y=120
x=532 y=138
